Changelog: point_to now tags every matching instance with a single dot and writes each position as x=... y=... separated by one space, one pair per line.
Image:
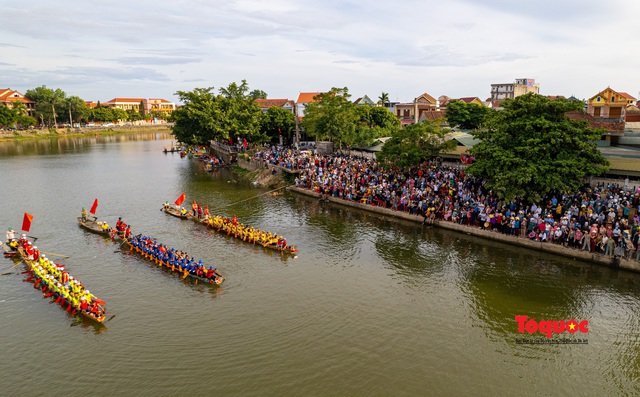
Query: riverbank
x=85 y=131
x=548 y=247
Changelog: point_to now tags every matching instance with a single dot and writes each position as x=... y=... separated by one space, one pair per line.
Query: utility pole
x=70 y=119
x=55 y=123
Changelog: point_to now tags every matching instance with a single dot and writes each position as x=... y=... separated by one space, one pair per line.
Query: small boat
x=8 y=252
x=46 y=285
x=93 y=226
x=175 y=212
x=172 y=150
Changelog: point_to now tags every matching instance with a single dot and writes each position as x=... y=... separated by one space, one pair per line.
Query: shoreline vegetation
x=84 y=131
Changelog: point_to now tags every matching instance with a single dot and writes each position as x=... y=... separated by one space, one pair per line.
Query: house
x=265 y=104
x=303 y=99
x=124 y=103
x=148 y=105
x=158 y=105
x=91 y=104
x=444 y=100
x=502 y=91
x=365 y=100
x=9 y=97
x=609 y=104
x=409 y=113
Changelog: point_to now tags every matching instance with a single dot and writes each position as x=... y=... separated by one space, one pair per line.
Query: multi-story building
x=9 y=97
x=410 y=113
x=147 y=105
x=500 y=92
x=609 y=104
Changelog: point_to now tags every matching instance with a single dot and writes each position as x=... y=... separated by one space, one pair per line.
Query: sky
x=99 y=50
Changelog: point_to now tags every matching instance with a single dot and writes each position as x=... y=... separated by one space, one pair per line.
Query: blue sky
x=140 y=48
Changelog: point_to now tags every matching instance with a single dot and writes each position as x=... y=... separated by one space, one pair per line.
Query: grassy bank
x=92 y=131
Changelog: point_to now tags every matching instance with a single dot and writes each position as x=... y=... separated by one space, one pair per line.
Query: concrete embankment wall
x=521 y=242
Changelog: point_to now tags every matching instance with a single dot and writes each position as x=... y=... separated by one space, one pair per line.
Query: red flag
x=26 y=221
x=94 y=207
x=181 y=199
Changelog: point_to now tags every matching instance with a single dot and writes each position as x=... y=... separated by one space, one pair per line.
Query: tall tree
x=197 y=122
x=531 y=148
x=332 y=117
x=258 y=94
x=75 y=108
x=277 y=121
x=415 y=143
x=240 y=115
x=467 y=116
x=374 y=122
x=384 y=99
x=49 y=103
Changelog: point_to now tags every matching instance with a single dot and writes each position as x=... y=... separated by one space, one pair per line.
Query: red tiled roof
x=306 y=97
x=625 y=95
x=125 y=100
x=9 y=95
x=272 y=103
x=156 y=100
x=431 y=115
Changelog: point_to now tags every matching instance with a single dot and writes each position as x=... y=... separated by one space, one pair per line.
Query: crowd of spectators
x=602 y=219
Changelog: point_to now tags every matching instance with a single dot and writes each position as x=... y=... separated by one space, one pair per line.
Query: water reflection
x=72 y=144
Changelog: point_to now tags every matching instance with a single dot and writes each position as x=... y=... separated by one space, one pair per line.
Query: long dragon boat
x=226 y=227
x=56 y=283
x=96 y=227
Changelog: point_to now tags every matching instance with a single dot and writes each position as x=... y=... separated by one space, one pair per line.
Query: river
x=370 y=307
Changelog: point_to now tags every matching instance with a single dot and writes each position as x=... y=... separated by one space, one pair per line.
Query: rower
x=118 y=223
x=166 y=205
x=84 y=214
x=127 y=232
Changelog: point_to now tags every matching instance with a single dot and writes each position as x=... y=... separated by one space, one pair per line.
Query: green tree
x=49 y=103
x=7 y=116
x=118 y=114
x=467 y=116
x=133 y=115
x=258 y=94
x=332 y=117
x=240 y=115
x=531 y=148
x=198 y=121
x=277 y=121
x=76 y=107
x=142 y=110
x=374 y=122
x=415 y=143
x=384 y=99
x=21 y=115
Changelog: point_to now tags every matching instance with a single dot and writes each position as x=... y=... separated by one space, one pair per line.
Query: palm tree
x=384 y=99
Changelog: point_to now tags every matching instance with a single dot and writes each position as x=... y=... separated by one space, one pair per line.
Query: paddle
x=34 y=238
x=53 y=253
x=16 y=265
x=120 y=246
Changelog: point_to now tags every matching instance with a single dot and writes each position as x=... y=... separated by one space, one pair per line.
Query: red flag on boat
x=26 y=221
x=181 y=199
x=94 y=207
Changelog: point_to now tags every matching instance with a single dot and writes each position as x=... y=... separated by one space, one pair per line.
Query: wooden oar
x=54 y=254
x=16 y=265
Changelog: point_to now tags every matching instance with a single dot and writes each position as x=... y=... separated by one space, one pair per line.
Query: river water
x=370 y=307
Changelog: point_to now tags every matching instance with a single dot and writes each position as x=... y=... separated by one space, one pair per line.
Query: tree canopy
x=277 y=121
x=468 y=116
x=531 y=148
x=335 y=118
x=49 y=103
x=415 y=143
x=206 y=116
x=17 y=114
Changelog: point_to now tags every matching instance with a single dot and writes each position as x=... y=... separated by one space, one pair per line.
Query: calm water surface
x=371 y=307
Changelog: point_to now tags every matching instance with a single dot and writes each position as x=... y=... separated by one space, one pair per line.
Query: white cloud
x=456 y=48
